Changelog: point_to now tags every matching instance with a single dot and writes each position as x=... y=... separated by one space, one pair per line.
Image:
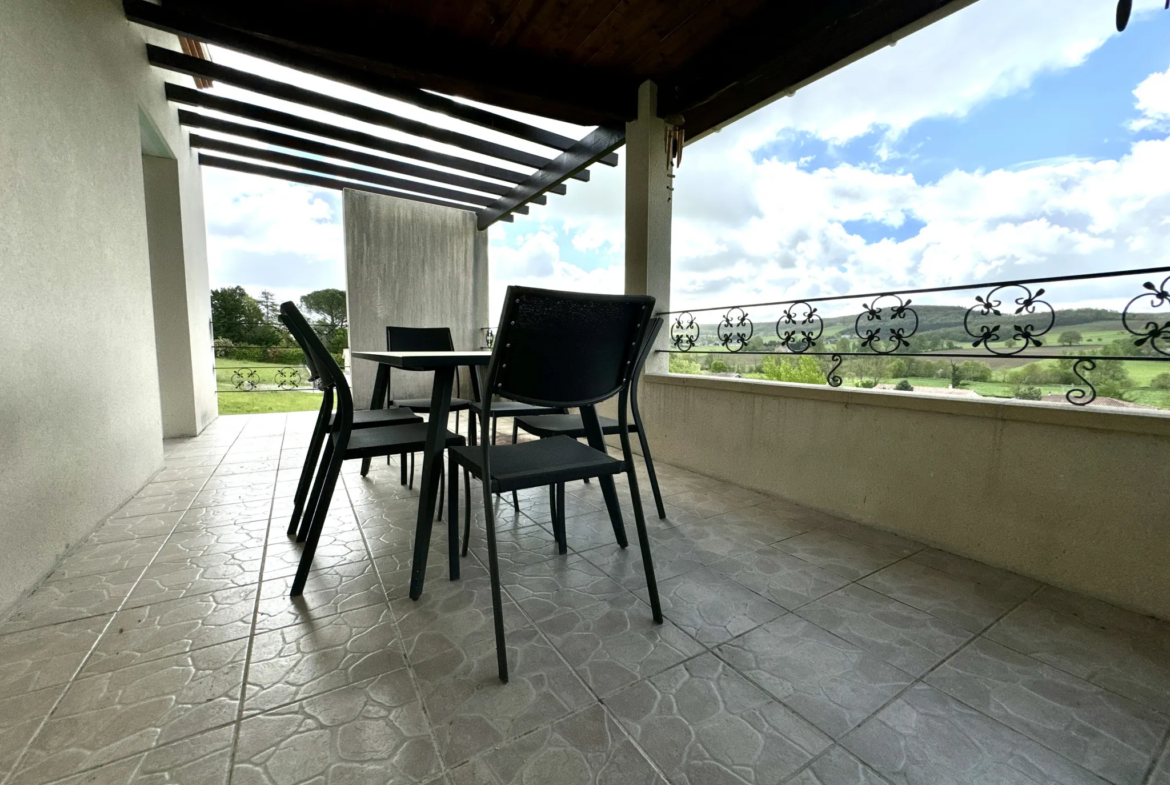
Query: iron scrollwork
x=799 y=333
x=900 y=325
x=731 y=330
x=831 y=377
x=1080 y=396
x=1153 y=334
x=288 y=378
x=684 y=333
x=244 y=379
x=1025 y=331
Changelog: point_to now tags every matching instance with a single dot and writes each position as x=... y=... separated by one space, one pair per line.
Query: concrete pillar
x=414 y=265
x=648 y=210
x=181 y=297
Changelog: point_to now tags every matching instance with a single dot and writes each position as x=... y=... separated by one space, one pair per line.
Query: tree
x=268 y=306
x=680 y=364
x=718 y=366
x=235 y=315
x=1070 y=337
x=329 y=305
x=1161 y=381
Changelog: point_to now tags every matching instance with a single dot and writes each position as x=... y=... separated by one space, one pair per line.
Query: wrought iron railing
x=279 y=364
x=886 y=325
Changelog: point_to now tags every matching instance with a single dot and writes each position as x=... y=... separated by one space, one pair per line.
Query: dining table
x=444 y=365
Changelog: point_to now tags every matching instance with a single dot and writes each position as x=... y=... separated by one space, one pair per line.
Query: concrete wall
x=1074 y=497
x=414 y=265
x=79 y=415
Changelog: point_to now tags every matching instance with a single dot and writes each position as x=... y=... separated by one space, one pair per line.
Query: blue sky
x=1015 y=138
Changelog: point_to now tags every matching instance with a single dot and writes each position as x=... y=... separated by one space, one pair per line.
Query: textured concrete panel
x=413 y=265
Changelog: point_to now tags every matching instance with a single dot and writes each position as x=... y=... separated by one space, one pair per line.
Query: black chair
x=421 y=339
x=561 y=350
x=571 y=425
x=374 y=418
x=345 y=443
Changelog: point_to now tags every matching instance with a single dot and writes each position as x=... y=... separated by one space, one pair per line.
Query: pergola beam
x=203 y=69
x=314 y=180
x=313 y=147
x=336 y=170
x=274 y=117
x=602 y=141
x=171 y=21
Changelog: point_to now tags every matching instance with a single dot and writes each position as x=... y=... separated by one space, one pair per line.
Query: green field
x=253 y=388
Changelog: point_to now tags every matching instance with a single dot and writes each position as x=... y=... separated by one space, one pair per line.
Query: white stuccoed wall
x=413 y=265
x=80 y=413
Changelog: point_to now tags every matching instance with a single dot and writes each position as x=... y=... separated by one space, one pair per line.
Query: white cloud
x=1153 y=101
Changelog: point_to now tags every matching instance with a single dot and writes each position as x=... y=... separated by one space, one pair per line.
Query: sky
x=1013 y=139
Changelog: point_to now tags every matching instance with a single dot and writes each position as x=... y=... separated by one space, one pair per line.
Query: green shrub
x=868 y=384
x=904 y=386
x=719 y=367
x=1161 y=381
x=274 y=354
x=680 y=364
x=1029 y=393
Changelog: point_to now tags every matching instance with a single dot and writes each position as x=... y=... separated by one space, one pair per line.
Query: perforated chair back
x=419 y=339
x=309 y=363
x=566 y=349
x=331 y=375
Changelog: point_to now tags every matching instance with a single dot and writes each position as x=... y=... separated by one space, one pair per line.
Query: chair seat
x=515 y=409
x=374 y=418
x=547 y=425
x=532 y=464
x=393 y=440
x=424 y=404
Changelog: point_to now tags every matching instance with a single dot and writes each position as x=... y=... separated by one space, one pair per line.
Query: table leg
x=378 y=401
x=432 y=468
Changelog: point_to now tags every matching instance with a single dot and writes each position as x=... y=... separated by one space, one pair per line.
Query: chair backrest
x=331 y=375
x=565 y=348
x=419 y=339
x=309 y=362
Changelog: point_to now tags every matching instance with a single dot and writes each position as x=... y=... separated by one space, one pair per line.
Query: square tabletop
x=424 y=361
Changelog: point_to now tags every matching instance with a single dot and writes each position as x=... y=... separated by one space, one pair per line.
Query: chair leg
x=559 y=521
x=515 y=430
x=452 y=517
x=552 y=506
x=609 y=492
x=410 y=483
x=643 y=537
x=315 y=495
x=515 y=501
x=466 y=511
x=494 y=570
x=439 y=498
x=318 y=523
x=495 y=422
x=315 y=442
x=653 y=475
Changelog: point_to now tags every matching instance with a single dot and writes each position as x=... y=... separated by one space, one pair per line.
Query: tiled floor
x=798 y=648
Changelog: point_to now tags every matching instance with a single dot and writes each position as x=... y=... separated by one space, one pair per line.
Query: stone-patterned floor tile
x=1161 y=775
x=132 y=528
x=588 y=748
x=1101 y=614
x=198 y=575
x=710 y=607
x=164 y=629
x=46 y=656
x=109 y=716
x=848 y=558
x=328 y=591
x=184 y=473
x=612 y=644
x=335 y=547
x=518 y=548
x=829 y=681
x=551 y=587
x=61 y=601
x=225 y=515
x=905 y=637
x=711 y=502
x=928 y=738
x=702 y=722
x=250 y=479
x=246 y=467
x=191 y=462
x=170 y=488
x=868 y=535
x=537 y=508
x=154 y=505
x=371 y=732
x=242 y=494
x=1133 y=665
x=193 y=543
x=786 y=580
x=625 y=566
x=970 y=605
x=1103 y=732
x=760 y=525
x=838 y=767
x=204 y=759
x=302 y=660
x=20 y=718
x=1002 y=581
x=107 y=557
x=471 y=710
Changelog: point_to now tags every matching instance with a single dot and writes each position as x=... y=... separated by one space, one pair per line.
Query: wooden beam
x=319 y=182
x=171 y=21
x=313 y=147
x=275 y=117
x=602 y=141
x=202 y=69
x=336 y=170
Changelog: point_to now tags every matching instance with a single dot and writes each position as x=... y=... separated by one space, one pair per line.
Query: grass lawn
x=239 y=374
x=267 y=396
x=265 y=402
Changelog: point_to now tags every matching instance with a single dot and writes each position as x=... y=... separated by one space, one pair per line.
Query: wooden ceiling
x=582 y=60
